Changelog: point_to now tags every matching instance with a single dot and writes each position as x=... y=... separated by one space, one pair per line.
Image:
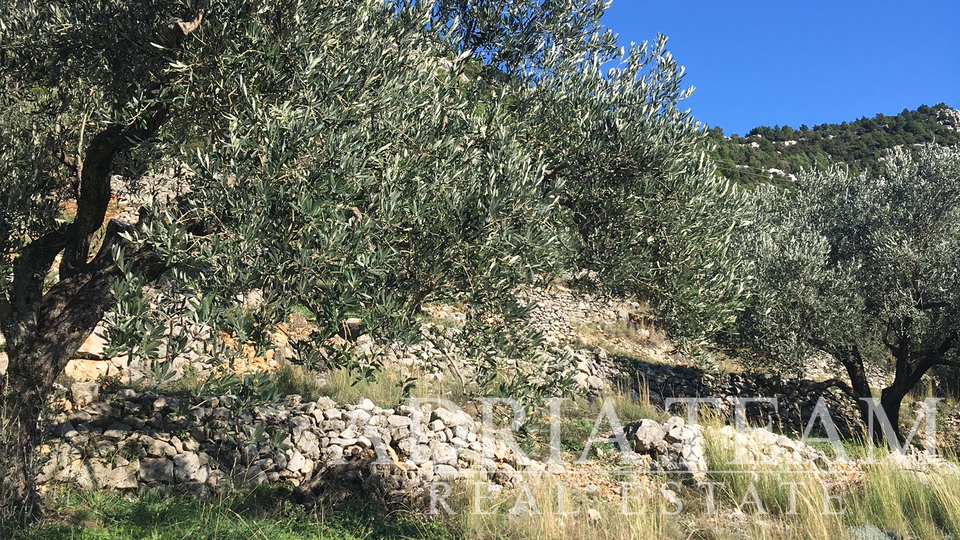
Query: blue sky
x=798 y=62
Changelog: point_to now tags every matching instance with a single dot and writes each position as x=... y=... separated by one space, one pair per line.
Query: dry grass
x=296 y=379
x=553 y=509
x=387 y=388
x=637 y=339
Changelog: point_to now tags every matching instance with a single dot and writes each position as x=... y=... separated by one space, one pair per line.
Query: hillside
x=405 y=269
x=773 y=154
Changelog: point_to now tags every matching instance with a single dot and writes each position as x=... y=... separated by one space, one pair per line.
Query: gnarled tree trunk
x=44 y=329
x=19 y=436
x=910 y=369
x=38 y=353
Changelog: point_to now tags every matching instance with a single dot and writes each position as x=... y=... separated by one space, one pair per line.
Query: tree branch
x=853 y=362
x=838 y=383
x=929 y=360
x=949 y=363
x=35 y=260
x=923 y=306
x=61 y=156
x=95 y=191
x=72 y=308
x=179 y=28
x=29 y=270
x=913 y=378
x=945 y=347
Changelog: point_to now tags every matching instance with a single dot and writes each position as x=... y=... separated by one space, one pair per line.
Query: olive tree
x=642 y=204
x=336 y=159
x=84 y=83
x=388 y=177
x=865 y=269
x=646 y=209
x=520 y=37
x=342 y=157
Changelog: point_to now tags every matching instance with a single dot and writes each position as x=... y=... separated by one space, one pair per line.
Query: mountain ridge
x=773 y=155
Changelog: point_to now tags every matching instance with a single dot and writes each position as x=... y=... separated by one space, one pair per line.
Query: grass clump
x=386 y=388
x=264 y=514
x=554 y=509
x=918 y=504
x=297 y=379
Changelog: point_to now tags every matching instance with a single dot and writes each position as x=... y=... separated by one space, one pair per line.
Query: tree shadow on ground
x=788 y=405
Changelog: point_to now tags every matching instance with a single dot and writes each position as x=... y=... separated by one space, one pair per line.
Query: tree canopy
x=864 y=268
x=353 y=160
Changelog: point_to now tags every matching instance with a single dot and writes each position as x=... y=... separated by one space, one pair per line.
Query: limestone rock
x=296 y=462
x=88 y=370
x=157 y=470
x=124 y=477
x=646 y=435
x=84 y=393
x=188 y=467
x=95 y=344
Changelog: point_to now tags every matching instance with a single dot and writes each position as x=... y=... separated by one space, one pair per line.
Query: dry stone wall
x=140 y=441
x=131 y=440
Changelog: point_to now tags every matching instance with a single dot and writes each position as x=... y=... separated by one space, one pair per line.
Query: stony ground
x=139 y=440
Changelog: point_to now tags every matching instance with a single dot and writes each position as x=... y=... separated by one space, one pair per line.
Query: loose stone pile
x=140 y=441
x=559 y=312
x=129 y=440
x=763 y=447
x=673 y=446
x=556 y=312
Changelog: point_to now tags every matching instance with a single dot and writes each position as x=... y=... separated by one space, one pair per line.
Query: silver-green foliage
x=643 y=206
x=647 y=210
x=864 y=268
x=349 y=158
x=357 y=169
x=343 y=162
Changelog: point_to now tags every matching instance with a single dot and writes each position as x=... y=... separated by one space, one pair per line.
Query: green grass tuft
x=264 y=514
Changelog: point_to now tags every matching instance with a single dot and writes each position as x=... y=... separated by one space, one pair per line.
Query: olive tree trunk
x=44 y=328
x=39 y=347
